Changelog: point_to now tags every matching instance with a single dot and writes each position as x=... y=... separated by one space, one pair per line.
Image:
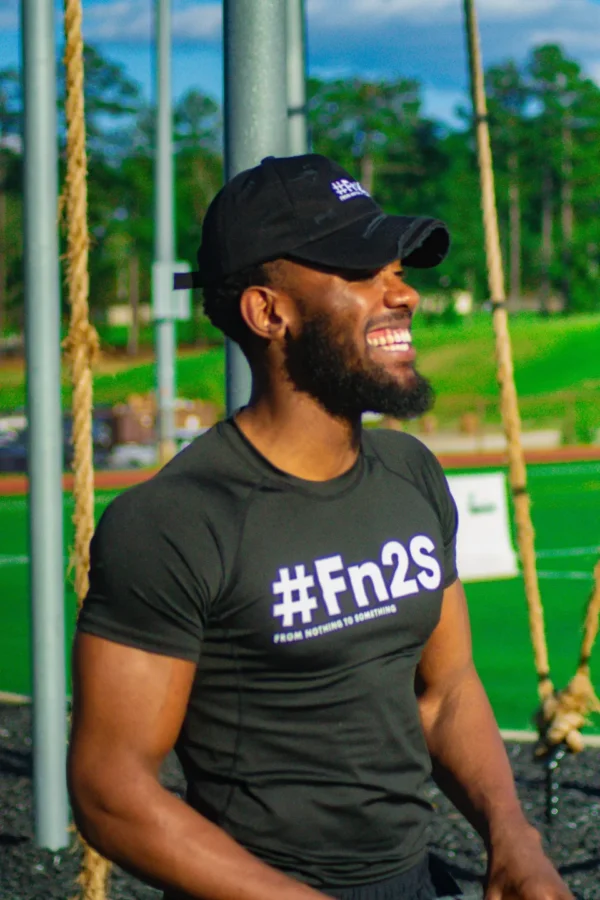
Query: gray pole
x=296 y=78
x=255 y=117
x=164 y=240
x=42 y=326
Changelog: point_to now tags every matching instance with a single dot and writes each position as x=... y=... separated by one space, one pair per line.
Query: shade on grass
x=200 y=375
x=566 y=499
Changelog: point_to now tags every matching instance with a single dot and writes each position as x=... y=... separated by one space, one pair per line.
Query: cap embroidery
x=347 y=190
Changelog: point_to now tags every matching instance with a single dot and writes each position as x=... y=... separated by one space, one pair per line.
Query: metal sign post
x=164 y=236
x=255 y=93
x=296 y=78
x=45 y=435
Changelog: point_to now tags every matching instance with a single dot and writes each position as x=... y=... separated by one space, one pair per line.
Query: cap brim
x=368 y=243
x=373 y=242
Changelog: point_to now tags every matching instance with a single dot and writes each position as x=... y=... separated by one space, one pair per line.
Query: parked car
x=13 y=444
x=13 y=451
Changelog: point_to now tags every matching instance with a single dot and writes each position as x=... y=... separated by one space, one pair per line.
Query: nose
x=399 y=293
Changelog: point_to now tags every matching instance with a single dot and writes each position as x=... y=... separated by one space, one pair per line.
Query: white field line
x=567 y=551
x=566 y=576
x=529 y=737
x=14 y=699
x=552 y=470
x=7 y=560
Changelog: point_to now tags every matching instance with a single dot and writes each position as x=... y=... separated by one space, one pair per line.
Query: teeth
x=394 y=348
x=399 y=338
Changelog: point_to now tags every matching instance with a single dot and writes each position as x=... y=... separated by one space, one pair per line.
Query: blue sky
x=381 y=38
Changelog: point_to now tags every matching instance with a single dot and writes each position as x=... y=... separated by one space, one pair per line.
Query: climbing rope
x=561 y=714
x=81 y=349
x=566 y=712
x=508 y=395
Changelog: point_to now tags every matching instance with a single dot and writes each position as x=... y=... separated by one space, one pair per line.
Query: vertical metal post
x=45 y=436
x=296 y=78
x=255 y=93
x=164 y=237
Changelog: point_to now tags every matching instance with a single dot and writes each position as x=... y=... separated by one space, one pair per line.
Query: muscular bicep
x=128 y=708
x=447 y=655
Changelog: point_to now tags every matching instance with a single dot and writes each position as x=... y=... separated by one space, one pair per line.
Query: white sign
x=168 y=303
x=484 y=545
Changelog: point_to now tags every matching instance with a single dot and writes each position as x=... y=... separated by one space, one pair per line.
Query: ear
x=265 y=312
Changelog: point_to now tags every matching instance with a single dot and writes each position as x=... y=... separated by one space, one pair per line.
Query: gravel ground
x=27 y=873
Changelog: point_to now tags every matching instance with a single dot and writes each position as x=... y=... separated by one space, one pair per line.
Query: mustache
x=400 y=319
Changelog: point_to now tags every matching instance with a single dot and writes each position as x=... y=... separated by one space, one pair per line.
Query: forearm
x=470 y=763
x=153 y=834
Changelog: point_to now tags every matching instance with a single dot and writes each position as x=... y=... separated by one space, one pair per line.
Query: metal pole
x=164 y=240
x=296 y=78
x=255 y=93
x=45 y=436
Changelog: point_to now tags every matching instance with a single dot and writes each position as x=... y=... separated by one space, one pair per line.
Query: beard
x=323 y=362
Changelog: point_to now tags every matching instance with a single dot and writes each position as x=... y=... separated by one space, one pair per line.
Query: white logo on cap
x=348 y=190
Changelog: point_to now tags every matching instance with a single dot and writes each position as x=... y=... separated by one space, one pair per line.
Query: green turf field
x=566 y=514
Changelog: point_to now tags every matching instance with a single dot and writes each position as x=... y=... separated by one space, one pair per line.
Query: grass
x=566 y=499
x=554 y=354
x=555 y=363
x=556 y=372
x=198 y=374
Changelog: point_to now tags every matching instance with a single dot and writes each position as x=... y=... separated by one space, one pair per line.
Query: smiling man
x=281 y=604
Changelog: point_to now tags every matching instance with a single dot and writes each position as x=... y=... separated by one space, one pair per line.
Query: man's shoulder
x=407 y=458
x=397 y=447
x=202 y=479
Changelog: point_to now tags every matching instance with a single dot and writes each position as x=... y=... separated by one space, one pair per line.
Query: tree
x=507 y=103
x=377 y=131
x=10 y=147
x=113 y=102
x=568 y=129
x=365 y=125
x=198 y=137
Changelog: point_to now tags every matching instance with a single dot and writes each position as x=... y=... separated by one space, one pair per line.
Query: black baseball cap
x=307 y=208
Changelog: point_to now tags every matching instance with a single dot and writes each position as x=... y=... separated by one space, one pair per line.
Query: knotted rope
x=561 y=714
x=509 y=406
x=81 y=350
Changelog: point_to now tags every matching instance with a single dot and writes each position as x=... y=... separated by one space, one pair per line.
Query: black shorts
x=428 y=880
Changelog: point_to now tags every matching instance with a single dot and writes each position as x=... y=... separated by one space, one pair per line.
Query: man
x=281 y=602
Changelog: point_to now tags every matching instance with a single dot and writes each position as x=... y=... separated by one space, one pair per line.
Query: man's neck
x=299 y=437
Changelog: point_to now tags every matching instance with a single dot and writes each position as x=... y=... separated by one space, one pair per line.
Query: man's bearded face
x=325 y=361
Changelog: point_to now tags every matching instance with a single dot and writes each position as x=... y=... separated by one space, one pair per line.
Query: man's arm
x=470 y=763
x=128 y=708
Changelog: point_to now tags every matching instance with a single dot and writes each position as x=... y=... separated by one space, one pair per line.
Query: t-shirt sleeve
x=155 y=570
x=443 y=501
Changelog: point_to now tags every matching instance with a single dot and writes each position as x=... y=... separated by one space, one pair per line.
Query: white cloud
x=9 y=15
x=506 y=10
x=119 y=20
x=131 y=21
x=593 y=70
x=198 y=21
x=572 y=38
x=354 y=14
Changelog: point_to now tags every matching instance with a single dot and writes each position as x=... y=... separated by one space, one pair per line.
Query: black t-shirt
x=305 y=606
